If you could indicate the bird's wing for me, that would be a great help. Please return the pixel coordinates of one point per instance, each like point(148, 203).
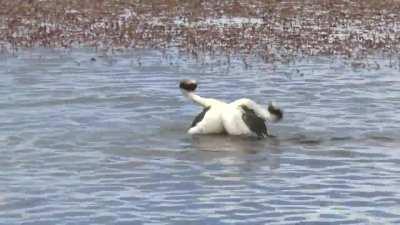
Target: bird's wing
point(254, 122)
point(200, 117)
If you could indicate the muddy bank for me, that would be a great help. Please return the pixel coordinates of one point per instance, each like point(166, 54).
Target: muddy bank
point(270, 29)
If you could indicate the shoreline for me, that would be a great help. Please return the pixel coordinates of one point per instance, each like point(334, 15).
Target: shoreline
point(271, 30)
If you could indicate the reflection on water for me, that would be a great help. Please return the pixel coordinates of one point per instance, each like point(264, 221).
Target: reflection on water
point(228, 143)
point(104, 141)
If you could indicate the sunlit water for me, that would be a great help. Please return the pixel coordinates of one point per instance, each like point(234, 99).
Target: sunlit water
point(104, 141)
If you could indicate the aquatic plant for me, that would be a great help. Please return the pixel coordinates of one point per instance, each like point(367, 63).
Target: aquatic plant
point(271, 29)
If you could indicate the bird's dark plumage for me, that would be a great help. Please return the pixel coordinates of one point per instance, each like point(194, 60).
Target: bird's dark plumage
point(275, 111)
point(255, 123)
point(200, 117)
point(188, 85)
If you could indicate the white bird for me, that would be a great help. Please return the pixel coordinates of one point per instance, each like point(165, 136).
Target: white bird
point(241, 117)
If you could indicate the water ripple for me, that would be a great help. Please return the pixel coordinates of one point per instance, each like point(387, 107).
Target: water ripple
point(105, 142)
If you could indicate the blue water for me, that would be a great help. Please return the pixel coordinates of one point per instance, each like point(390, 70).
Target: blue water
point(103, 141)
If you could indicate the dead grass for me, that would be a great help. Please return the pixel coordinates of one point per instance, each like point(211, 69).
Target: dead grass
point(290, 28)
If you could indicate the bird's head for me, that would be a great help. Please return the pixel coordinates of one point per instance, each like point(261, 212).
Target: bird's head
point(188, 85)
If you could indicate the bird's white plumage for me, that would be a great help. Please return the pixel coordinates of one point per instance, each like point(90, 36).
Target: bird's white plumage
point(211, 123)
point(233, 122)
point(226, 117)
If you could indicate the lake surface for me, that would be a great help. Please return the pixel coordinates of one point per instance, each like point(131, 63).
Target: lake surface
point(93, 139)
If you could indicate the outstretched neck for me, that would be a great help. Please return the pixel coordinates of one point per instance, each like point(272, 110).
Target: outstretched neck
point(195, 98)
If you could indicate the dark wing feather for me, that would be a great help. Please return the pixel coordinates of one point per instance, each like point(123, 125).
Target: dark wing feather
point(200, 117)
point(255, 123)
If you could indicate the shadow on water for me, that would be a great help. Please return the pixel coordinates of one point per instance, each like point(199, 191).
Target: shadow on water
point(307, 144)
point(226, 143)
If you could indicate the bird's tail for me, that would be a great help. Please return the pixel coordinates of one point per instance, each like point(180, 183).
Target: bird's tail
point(275, 113)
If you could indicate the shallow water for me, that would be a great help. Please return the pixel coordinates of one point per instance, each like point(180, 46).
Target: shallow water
point(103, 141)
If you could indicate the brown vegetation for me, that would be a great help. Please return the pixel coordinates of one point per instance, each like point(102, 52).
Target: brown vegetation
point(276, 29)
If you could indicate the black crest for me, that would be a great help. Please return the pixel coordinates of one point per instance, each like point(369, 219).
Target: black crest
point(188, 85)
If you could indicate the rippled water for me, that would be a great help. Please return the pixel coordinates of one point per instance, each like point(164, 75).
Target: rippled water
point(102, 141)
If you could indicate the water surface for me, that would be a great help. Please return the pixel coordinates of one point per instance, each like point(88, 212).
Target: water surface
point(93, 139)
